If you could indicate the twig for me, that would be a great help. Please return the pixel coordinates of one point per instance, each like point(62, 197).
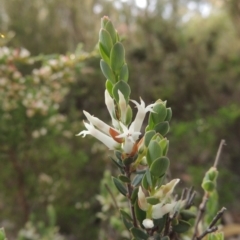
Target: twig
point(207, 231)
point(202, 206)
point(223, 142)
point(212, 228)
point(112, 196)
point(201, 211)
point(217, 217)
point(129, 189)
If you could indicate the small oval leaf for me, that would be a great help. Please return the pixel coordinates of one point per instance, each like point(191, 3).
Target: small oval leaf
point(124, 73)
point(117, 57)
point(154, 151)
point(107, 71)
point(162, 128)
point(124, 179)
point(106, 41)
point(159, 166)
point(182, 227)
point(124, 88)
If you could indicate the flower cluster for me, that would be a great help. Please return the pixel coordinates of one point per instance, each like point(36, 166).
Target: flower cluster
point(121, 136)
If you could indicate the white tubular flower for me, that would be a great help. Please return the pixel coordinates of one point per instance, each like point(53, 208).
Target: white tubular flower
point(142, 110)
point(142, 202)
point(148, 223)
point(159, 210)
point(102, 126)
point(111, 108)
point(123, 106)
point(107, 140)
point(130, 138)
point(166, 190)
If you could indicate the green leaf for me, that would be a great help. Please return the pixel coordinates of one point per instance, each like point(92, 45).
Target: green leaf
point(149, 177)
point(106, 41)
point(139, 234)
point(145, 182)
point(148, 136)
point(117, 163)
point(124, 88)
point(208, 186)
point(121, 188)
point(159, 166)
point(137, 179)
point(2, 234)
point(165, 238)
point(109, 87)
point(162, 128)
point(169, 115)
point(127, 220)
point(154, 151)
point(124, 179)
point(103, 53)
point(160, 223)
point(159, 114)
point(111, 30)
point(152, 200)
point(140, 214)
point(187, 214)
point(117, 57)
point(164, 143)
point(134, 195)
point(118, 155)
point(182, 226)
point(124, 73)
point(128, 116)
point(107, 71)
point(126, 215)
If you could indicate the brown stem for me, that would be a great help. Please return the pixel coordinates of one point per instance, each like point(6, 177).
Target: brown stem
point(129, 195)
point(20, 184)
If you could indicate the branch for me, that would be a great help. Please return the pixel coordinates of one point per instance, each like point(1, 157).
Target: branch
point(223, 142)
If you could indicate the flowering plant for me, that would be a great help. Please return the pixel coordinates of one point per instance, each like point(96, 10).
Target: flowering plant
point(141, 155)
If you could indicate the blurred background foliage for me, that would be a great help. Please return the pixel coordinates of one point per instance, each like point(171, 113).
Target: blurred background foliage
point(185, 52)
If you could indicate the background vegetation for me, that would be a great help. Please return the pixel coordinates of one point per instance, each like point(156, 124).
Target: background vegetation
point(186, 52)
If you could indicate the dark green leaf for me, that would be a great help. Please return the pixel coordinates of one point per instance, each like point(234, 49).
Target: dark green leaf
point(137, 179)
point(182, 226)
point(121, 188)
point(145, 182)
point(139, 234)
point(126, 215)
point(124, 179)
point(187, 214)
point(149, 177)
point(134, 195)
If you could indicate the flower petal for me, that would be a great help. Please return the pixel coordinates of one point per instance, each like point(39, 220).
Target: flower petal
point(159, 210)
point(148, 223)
point(111, 108)
point(142, 202)
point(142, 110)
point(108, 141)
point(102, 126)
